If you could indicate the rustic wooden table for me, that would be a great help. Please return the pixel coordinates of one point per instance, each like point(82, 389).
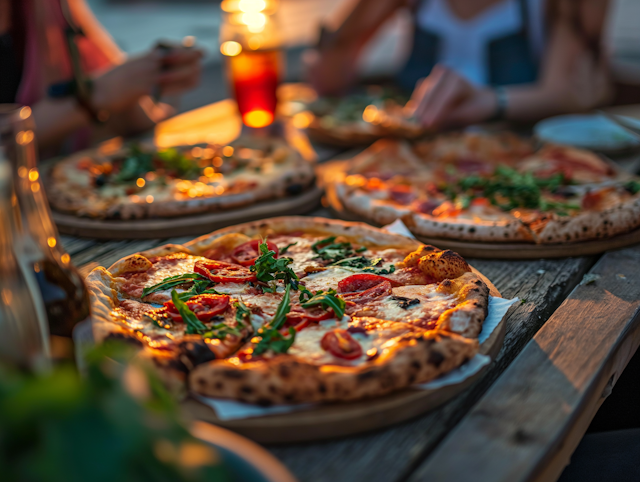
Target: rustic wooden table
point(566, 345)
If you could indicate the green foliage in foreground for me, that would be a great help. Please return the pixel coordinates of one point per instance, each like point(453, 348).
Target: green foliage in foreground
point(117, 424)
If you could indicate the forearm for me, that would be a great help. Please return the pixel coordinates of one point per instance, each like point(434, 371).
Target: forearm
point(533, 102)
point(57, 118)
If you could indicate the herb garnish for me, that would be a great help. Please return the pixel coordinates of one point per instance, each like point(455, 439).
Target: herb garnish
point(326, 299)
point(173, 281)
point(633, 187)
point(286, 248)
point(270, 336)
point(268, 268)
point(365, 264)
point(242, 312)
point(328, 250)
point(194, 325)
point(509, 189)
point(200, 287)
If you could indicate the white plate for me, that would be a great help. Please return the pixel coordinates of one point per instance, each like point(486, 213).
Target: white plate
point(591, 131)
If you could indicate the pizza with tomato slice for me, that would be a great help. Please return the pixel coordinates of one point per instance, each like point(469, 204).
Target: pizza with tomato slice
point(294, 309)
point(138, 181)
point(490, 188)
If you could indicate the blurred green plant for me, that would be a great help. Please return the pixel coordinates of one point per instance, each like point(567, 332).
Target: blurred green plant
point(116, 424)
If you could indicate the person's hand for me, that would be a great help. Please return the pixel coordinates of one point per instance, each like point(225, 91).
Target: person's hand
point(121, 87)
point(446, 99)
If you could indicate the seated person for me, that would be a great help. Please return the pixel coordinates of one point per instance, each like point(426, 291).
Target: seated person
point(43, 60)
point(476, 60)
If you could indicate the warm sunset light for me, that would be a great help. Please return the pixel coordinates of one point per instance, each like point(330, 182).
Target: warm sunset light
point(252, 5)
point(258, 118)
point(230, 48)
point(140, 182)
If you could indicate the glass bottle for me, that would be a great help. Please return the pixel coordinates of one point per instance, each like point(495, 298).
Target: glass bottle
point(64, 293)
point(23, 321)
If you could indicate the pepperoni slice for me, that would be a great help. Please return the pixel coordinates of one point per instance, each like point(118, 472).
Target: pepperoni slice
point(247, 253)
point(340, 343)
point(361, 282)
point(205, 307)
point(221, 272)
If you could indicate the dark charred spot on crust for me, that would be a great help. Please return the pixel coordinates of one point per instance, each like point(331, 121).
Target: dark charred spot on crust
point(234, 374)
point(478, 282)
point(264, 402)
point(368, 375)
point(201, 382)
point(272, 389)
point(347, 228)
point(436, 358)
point(475, 290)
point(472, 230)
point(284, 371)
point(289, 397)
point(246, 389)
point(446, 283)
point(322, 388)
point(263, 225)
point(416, 365)
point(195, 352)
point(219, 385)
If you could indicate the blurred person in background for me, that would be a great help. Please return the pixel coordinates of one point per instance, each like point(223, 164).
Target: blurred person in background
point(38, 47)
point(477, 60)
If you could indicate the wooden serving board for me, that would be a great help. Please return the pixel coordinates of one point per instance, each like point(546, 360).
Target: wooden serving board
point(471, 249)
point(188, 225)
point(334, 420)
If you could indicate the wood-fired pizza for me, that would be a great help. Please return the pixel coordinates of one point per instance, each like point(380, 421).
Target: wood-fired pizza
point(490, 188)
point(294, 309)
point(144, 182)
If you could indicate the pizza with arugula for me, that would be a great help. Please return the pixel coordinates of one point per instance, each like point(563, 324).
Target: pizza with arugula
point(138, 181)
point(490, 188)
point(294, 309)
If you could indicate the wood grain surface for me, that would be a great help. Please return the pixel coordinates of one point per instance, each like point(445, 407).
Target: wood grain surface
point(528, 424)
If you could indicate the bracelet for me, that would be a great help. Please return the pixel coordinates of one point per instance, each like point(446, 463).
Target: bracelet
point(502, 101)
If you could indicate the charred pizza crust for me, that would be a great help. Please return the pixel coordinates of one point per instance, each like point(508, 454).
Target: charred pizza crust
point(357, 188)
point(411, 354)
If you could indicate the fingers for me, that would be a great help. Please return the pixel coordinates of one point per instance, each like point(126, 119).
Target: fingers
point(182, 56)
point(180, 78)
point(438, 95)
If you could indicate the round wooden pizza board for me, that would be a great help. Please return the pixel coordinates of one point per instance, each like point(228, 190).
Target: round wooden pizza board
point(188, 225)
point(342, 419)
point(496, 250)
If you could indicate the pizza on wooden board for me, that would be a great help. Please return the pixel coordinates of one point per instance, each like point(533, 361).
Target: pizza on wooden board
point(490, 188)
point(144, 182)
point(362, 118)
point(294, 309)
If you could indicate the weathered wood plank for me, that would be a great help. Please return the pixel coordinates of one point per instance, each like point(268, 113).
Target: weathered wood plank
point(531, 420)
point(392, 454)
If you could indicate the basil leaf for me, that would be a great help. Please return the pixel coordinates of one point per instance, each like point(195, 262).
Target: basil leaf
point(194, 325)
point(172, 281)
point(284, 250)
point(199, 287)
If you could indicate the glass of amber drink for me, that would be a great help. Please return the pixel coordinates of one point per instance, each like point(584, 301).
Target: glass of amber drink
point(249, 43)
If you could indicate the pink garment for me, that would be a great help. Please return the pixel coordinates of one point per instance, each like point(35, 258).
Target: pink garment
point(46, 56)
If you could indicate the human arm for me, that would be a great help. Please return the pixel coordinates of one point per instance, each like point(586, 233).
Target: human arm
point(332, 67)
point(573, 78)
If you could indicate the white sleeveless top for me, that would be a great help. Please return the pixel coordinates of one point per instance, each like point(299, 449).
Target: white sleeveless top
point(463, 43)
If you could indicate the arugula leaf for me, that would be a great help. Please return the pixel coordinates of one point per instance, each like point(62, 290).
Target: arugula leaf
point(281, 312)
point(159, 322)
point(270, 336)
point(633, 187)
point(268, 268)
point(173, 281)
point(199, 288)
point(284, 250)
point(220, 331)
point(242, 312)
point(194, 325)
point(365, 264)
point(273, 340)
point(326, 299)
point(328, 250)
